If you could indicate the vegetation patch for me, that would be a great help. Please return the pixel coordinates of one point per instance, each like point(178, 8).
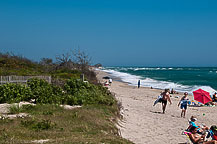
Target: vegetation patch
point(94, 122)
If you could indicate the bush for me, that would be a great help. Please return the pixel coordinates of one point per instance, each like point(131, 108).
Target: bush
point(81, 92)
point(43, 92)
point(11, 92)
point(77, 93)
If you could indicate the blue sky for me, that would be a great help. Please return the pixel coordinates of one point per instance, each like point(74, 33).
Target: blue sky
point(113, 32)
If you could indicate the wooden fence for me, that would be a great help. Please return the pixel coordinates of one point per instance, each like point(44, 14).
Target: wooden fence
point(21, 79)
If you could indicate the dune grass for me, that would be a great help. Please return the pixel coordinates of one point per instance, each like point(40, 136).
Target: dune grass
point(88, 124)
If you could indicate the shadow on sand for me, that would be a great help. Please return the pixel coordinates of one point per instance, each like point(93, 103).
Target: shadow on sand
point(157, 112)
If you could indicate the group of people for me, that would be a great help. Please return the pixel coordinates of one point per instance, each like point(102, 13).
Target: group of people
point(183, 103)
point(198, 134)
point(108, 82)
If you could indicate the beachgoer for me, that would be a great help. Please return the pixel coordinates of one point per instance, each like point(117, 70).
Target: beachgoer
point(214, 98)
point(173, 91)
point(184, 104)
point(165, 96)
point(212, 132)
point(198, 139)
point(214, 137)
point(192, 123)
point(210, 103)
point(139, 84)
point(106, 83)
point(110, 81)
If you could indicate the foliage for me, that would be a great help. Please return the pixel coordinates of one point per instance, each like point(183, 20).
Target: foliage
point(11, 92)
point(75, 92)
point(43, 92)
point(11, 64)
point(88, 124)
point(38, 125)
point(80, 92)
point(15, 109)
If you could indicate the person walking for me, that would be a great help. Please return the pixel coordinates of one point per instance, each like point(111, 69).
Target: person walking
point(165, 96)
point(184, 104)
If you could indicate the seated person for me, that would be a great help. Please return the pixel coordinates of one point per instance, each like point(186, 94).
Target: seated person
point(212, 132)
point(106, 83)
point(211, 103)
point(192, 123)
point(173, 91)
point(214, 97)
point(198, 139)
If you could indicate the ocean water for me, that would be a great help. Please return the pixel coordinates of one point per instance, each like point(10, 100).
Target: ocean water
point(182, 79)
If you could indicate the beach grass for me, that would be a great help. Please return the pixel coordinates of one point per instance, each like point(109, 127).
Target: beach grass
point(88, 124)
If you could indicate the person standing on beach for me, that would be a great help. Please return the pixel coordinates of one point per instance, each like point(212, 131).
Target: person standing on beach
point(139, 84)
point(110, 81)
point(165, 96)
point(184, 104)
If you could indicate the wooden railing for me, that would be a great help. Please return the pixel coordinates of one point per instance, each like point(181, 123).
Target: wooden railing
point(21, 79)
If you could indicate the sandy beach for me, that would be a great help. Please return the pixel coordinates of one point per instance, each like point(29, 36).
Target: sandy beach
point(144, 123)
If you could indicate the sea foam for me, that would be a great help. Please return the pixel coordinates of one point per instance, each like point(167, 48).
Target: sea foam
point(148, 82)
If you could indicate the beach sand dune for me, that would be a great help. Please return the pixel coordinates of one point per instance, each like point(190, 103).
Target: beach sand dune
point(144, 123)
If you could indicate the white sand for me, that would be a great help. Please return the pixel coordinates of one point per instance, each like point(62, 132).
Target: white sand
point(144, 124)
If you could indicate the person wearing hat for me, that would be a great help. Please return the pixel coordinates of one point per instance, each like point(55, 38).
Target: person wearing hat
point(184, 104)
point(192, 122)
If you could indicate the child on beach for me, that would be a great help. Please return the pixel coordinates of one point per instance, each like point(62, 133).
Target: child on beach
point(184, 104)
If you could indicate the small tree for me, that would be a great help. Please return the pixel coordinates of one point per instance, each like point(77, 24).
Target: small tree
point(64, 60)
point(46, 61)
point(81, 59)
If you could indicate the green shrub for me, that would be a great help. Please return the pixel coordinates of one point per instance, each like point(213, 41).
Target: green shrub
point(44, 93)
point(11, 92)
point(80, 92)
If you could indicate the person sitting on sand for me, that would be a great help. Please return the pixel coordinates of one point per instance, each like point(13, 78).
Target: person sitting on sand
point(165, 96)
point(212, 132)
point(210, 103)
point(173, 91)
point(106, 83)
point(198, 139)
point(184, 104)
point(214, 98)
point(192, 123)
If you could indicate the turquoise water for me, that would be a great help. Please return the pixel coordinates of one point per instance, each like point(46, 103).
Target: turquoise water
point(179, 78)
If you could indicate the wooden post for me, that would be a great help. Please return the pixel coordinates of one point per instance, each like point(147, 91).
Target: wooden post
point(49, 79)
point(82, 77)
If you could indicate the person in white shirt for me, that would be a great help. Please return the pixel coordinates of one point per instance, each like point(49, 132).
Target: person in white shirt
point(110, 81)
